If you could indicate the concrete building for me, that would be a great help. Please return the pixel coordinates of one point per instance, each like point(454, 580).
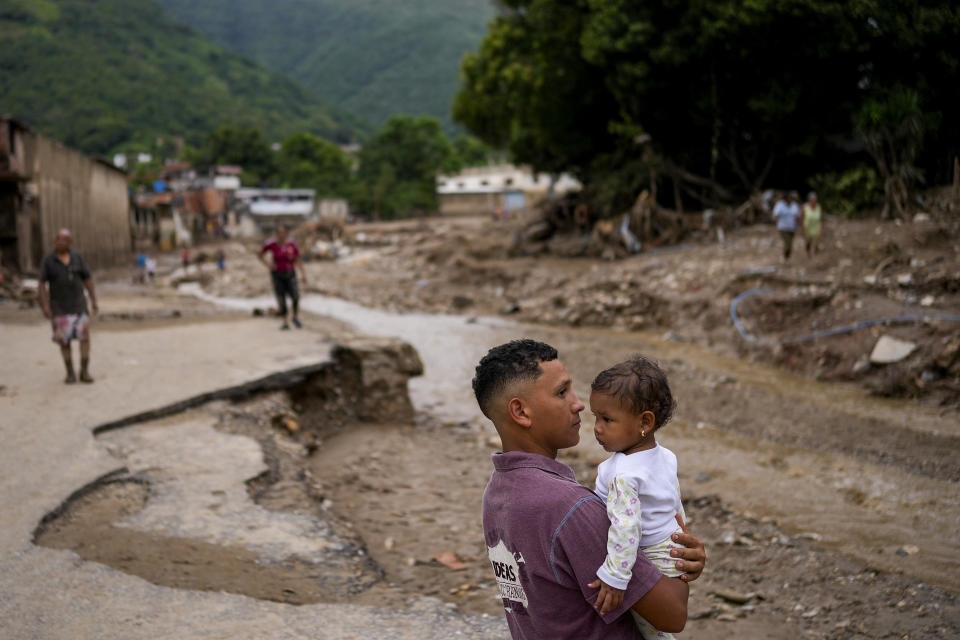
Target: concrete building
point(45, 186)
point(486, 190)
point(270, 208)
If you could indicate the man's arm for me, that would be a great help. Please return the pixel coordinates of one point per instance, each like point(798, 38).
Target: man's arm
point(44, 299)
point(298, 265)
point(88, 283)
point(665, 605)
point(260, 257)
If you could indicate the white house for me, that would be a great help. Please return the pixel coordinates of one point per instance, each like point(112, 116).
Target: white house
point(485, 190)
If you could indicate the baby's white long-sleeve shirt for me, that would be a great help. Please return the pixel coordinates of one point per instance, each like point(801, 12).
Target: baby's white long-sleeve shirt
point(642, 507)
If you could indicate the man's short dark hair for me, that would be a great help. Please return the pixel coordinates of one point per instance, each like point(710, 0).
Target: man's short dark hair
point(639, 385)
point(517, 360)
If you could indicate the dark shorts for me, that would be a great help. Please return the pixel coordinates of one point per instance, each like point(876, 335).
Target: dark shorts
point(787, 237)
point(285, 286)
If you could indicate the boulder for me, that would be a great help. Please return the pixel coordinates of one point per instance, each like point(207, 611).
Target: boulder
point(889, 350)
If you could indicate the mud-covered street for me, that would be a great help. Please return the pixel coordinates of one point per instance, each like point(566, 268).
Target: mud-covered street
point(824, 488)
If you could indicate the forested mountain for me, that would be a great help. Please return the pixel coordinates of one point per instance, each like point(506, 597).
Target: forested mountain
point(102, 75)
point(371, 57)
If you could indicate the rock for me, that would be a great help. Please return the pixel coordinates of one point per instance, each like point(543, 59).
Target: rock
point(286, 421)
point(734, 597)
point(808, 536)
point(949, 354)
point(700, 614)
point(461, 302)
point(927, 301)
point(862, 365)
point(907, 550)
point(889, 349)
point(450, 560)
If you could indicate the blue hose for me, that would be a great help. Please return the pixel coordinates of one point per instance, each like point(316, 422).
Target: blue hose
point(849, 328)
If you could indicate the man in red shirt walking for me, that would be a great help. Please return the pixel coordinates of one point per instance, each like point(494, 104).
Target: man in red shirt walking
point(283, 273)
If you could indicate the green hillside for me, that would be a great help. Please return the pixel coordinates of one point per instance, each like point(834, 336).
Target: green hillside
point(101, 74)
point(371, 57)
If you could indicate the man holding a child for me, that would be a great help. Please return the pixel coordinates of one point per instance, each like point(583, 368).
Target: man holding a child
point(546, 534)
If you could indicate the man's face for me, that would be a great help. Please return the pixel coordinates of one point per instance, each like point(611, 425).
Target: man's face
point(62, 241)
point(282, 234)
point(554, 409)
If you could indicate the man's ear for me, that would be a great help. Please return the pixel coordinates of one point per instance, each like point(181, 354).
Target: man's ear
point(517, 411)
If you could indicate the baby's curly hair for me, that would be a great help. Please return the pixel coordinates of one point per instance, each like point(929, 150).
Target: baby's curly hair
point(638, 384)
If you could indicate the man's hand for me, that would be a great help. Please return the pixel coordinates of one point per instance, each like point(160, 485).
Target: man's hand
point(94, 306)
point(46, 312)
point(694, 557)
point(609, 598)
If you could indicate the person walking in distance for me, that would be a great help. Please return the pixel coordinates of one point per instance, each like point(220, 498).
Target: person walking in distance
point(812, 223)
point(283, 273)
point(787, 213)
point(65, 304)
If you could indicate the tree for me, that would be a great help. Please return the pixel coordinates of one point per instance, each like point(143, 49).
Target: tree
point(892, 129)
point(530, 91)
point(244, 146)
point(721, 96)
point(398, 166)
point(470, 151)
point(311, 162)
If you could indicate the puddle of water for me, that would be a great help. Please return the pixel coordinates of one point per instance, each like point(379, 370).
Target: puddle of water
point(862, 509)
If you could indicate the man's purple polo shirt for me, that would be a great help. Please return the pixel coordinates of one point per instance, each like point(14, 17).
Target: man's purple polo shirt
point(546, 535)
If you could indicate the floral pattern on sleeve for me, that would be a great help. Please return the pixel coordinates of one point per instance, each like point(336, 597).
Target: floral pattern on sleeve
point(623, 537)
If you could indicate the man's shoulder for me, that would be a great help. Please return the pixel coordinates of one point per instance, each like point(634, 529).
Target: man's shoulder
point(539, 487)
point(46, 265)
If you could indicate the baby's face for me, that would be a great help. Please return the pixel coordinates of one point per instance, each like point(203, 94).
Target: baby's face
point(616, 428)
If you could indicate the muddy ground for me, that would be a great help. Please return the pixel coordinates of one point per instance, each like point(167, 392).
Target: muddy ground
point(824, 509)
point(866, 270)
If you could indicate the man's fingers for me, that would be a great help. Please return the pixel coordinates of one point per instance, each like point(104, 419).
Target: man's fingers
point(683, 527)
point(690, 543)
